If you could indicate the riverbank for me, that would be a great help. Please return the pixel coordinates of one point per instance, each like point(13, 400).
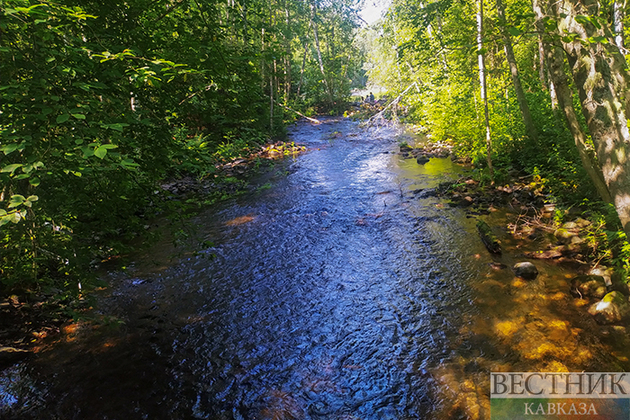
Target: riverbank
point(345, 287)
point(29, 317)
point(535, 230)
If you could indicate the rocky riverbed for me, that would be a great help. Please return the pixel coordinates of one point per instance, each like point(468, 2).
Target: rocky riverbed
point(533, 223)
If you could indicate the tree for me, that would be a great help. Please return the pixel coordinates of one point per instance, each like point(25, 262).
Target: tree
point(516, 80)
point(482, 84)
point(599, 71)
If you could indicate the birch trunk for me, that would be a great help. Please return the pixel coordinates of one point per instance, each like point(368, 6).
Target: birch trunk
point(482, 83)
point(618, 15)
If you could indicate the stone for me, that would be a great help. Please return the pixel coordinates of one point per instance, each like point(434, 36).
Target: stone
point(564, 236)
point(525, 270)
point(582, 222)
point(605, 272)
point(570, 225)
point(422, 160)
point(613, 308)
point(589, 286)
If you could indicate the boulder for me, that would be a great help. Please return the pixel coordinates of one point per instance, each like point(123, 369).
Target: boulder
point(422, 159)
point(605, 272)
point(525, 270)
point(570, 225)
point(589, 286)
point(613, 308)
point(564, 236)
point(582, 223)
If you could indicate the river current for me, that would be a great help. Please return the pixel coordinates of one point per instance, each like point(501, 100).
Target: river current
point(339, 289)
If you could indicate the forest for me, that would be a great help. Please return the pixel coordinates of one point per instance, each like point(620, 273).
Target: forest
point(103, 102)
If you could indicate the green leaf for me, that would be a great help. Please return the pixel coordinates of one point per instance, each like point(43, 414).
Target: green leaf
point(128, 164)
point(581, 19)
point(63, 118)
point(100, 152)
point(115, 126)
point(79, 116)
point(21, 176)
point(110, 146)
point(11, 168)
point(87, 151)
point(35, 181)
point(16, 200)
point(32, 198)
point(514, 31)
point(9, 148)
point(3, 212)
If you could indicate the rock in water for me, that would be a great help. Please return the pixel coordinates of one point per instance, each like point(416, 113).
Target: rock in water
point(525, 270)
point(487, 237)
point(422, 160)
point(613, 308)
point(589, 286)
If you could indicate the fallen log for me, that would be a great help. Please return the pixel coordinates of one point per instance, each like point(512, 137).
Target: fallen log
point(313, 120)
point(487, 237)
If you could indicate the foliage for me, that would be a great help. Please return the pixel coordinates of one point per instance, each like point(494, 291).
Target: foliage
point(101, 102)
point(433, 44)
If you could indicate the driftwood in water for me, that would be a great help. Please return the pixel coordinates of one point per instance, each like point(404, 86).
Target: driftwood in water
point(488, 238)
point(313, 120)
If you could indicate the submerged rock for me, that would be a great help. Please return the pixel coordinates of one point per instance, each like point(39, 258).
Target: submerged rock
point(589, 286)
point(422, 160)
point(613, 308)
point(525, 270)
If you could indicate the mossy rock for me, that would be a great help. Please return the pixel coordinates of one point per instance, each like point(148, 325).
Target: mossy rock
point(613, 308)
point(589, 286)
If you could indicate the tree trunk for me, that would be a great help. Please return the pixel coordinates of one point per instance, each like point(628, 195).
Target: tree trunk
point(516, 81)
point(271, 103)
point(302, 69)
point(319, 53)
point(618, 15)
point(541, 62)
point(482, 83)
point(553, 95)
point(287, 59)
point(599, 72)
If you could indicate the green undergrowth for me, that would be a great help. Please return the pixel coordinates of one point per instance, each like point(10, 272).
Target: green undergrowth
point(54, 249)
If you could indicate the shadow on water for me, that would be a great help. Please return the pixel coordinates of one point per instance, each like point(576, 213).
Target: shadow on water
point(341, 292)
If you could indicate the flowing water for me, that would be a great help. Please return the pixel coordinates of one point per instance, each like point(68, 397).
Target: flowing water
point(339, 289)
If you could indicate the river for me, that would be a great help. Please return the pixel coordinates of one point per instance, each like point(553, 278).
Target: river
point(339, 289)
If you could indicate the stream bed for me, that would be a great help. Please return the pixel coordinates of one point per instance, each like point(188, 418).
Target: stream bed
point(339, 289)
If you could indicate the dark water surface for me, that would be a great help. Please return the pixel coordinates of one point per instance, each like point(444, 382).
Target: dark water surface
point(338, 291)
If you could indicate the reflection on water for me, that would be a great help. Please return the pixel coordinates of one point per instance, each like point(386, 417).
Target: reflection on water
point(336, 294)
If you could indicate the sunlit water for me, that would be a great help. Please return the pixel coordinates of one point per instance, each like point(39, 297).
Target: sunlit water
point(343, 291)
